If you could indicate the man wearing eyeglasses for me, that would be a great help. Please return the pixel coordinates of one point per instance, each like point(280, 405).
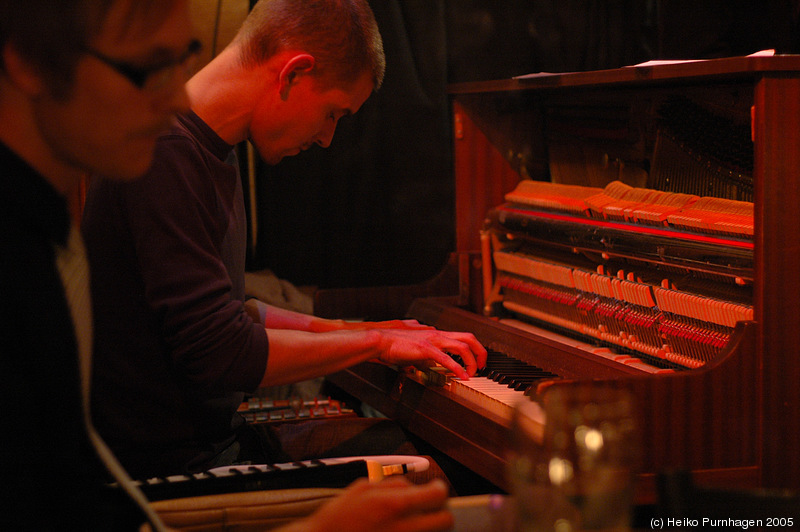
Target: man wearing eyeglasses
point(68, 109)
point(178, 350)
point(85, 87)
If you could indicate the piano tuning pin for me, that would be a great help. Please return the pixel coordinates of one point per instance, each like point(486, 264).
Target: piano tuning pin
point(296, 404)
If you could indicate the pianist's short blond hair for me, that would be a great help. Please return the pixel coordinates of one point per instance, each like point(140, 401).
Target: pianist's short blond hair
point(342, 35)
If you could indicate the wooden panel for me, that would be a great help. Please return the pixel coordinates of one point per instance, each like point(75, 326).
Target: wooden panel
point(777, 157)
point(484, 176)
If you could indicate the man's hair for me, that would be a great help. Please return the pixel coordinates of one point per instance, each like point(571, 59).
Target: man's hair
point(52, 34)
point(342, 35)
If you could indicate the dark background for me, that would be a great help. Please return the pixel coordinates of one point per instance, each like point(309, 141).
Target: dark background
point(376, 207)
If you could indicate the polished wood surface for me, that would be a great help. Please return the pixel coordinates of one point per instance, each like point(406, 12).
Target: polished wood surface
point(663, 72)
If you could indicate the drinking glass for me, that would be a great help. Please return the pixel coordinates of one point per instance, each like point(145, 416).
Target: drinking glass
point(572, 463)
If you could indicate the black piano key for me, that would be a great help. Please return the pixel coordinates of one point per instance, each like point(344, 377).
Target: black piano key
point(515, 373)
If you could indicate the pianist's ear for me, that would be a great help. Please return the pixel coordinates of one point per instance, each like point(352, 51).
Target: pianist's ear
point(20, 72)
point(297, 65)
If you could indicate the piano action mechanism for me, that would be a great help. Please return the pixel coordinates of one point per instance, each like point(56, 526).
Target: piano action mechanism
point(633, 226)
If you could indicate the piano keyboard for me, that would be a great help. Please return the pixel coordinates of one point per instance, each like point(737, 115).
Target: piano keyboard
point(500, 385)
point(513, 373)
point(488, 394)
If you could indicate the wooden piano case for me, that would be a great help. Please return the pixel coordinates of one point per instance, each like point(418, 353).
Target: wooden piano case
point(734, 421)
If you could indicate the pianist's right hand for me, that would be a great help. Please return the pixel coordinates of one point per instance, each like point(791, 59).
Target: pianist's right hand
point(392, 505)
point(296, 355)
point(422, 347)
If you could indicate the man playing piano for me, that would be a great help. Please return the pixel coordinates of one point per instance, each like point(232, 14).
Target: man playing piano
point(177, 350)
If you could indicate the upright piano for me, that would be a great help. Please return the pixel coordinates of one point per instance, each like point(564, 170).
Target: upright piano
point(637, 227)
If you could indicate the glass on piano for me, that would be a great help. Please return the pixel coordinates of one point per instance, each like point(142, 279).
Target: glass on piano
point(572, 465)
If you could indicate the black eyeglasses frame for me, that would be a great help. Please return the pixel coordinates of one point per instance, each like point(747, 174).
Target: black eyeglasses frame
point(139, 76)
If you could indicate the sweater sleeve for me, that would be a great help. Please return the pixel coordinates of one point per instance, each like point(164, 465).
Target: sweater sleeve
point(179, 220)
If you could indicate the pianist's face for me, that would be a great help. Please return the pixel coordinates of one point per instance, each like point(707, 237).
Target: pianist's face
point(105, 124)
point(308, 115)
